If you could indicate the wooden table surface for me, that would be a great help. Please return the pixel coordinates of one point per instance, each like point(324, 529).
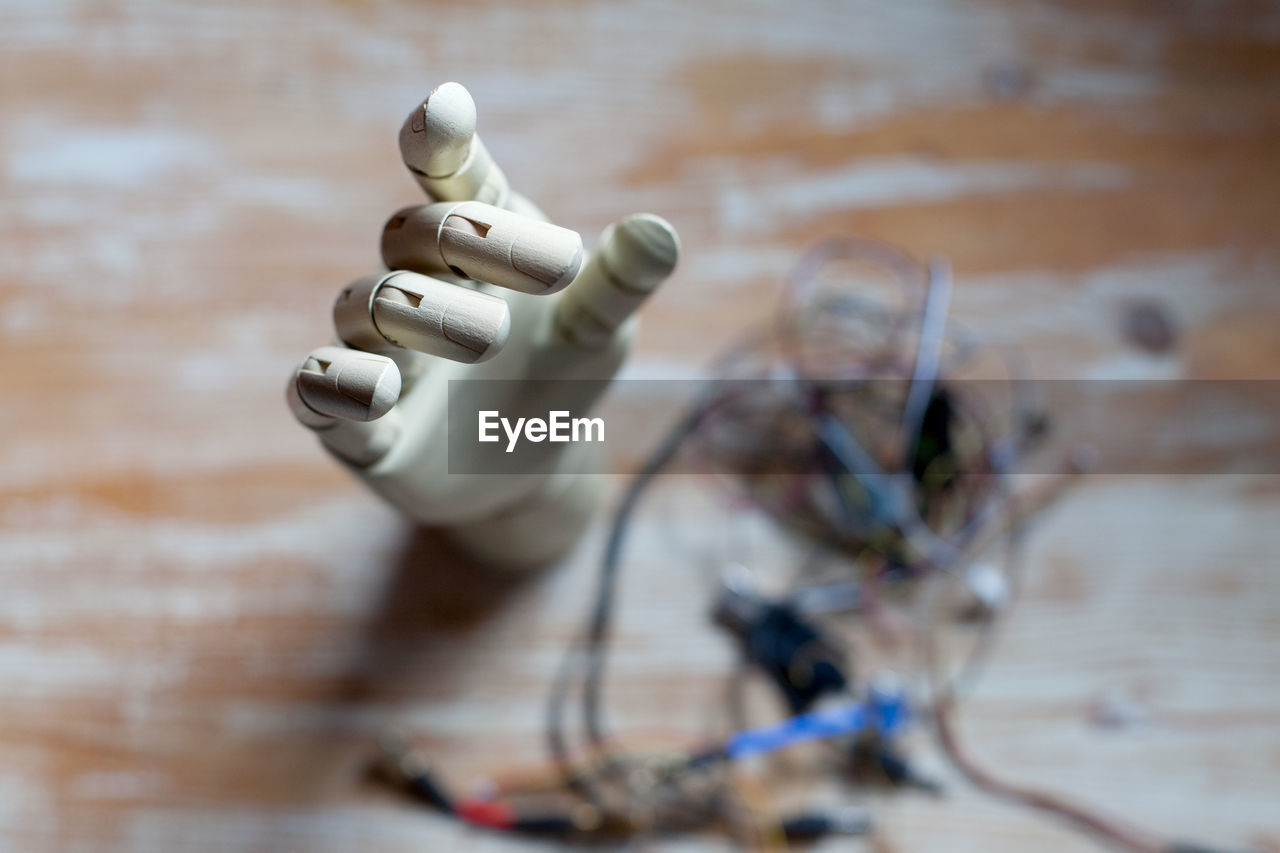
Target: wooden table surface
point(204, 623)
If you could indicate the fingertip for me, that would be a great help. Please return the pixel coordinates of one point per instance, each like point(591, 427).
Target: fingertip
point(439, 318)
point(435, 140)
point(644, 249)
point(348, 384)
point(497, 339)
point(547, 255)
point(483, 242)
point(386, 391)
point(633, 257)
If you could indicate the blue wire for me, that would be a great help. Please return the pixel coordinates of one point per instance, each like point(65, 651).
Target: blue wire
point(885, 714)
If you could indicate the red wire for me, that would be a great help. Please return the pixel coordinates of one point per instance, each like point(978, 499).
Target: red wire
point(486, 813)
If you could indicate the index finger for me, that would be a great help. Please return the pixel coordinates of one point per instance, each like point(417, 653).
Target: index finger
point(439, 145)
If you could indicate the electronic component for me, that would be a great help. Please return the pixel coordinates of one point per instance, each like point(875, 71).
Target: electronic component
point(814, 826)
point(876, 759)
point(779, 642)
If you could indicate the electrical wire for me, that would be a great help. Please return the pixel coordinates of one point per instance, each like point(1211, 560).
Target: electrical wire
point(831, 430)
point(825, 408)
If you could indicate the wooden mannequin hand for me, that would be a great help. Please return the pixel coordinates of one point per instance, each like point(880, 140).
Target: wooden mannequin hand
point(479, 286)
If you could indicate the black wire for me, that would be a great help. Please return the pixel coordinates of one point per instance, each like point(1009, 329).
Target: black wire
point(596, 634)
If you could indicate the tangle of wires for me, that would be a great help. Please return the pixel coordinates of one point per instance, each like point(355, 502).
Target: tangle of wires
point(872, 431)
point(846, 424)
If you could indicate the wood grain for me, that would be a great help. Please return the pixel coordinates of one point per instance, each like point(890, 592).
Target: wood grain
point(204, 622)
